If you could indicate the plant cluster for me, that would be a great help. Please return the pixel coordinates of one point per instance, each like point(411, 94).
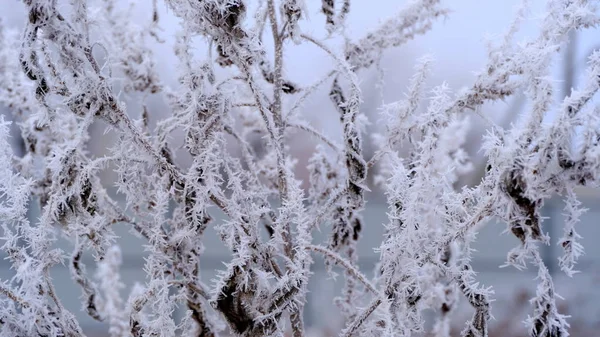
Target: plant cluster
point(60, 75)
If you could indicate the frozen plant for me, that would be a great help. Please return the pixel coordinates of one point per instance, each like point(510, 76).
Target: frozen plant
point(74, 63)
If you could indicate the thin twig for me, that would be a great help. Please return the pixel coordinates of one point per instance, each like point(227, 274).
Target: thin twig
point(344, 263)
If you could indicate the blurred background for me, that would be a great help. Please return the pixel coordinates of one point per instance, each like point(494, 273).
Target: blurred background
point(458, 45)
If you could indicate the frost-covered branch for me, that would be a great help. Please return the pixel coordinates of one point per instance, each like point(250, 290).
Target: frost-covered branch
point(78, 63)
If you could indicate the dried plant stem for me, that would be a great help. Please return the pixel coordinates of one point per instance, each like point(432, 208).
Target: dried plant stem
point(10, 294)
point(321, 136)
point(349, 267)
point(360, 319)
